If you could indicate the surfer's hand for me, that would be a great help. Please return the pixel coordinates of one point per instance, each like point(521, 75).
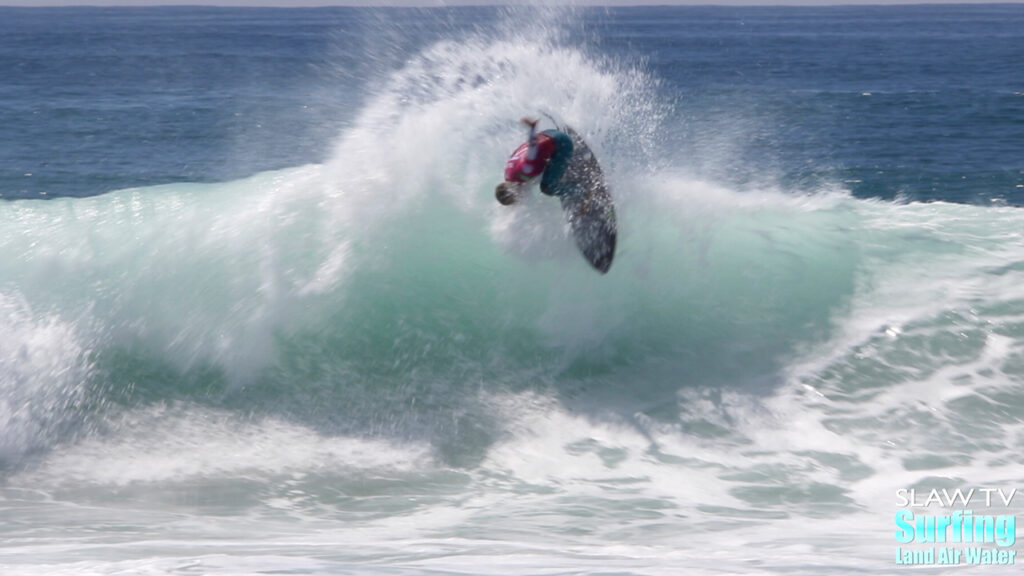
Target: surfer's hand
point(531, 122)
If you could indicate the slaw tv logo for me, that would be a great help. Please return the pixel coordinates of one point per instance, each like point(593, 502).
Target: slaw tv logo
point(963, 533)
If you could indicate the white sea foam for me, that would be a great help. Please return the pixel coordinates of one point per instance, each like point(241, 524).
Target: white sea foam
point(44, 370)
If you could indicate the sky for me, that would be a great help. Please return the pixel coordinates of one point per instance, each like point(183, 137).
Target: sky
point(296, 3)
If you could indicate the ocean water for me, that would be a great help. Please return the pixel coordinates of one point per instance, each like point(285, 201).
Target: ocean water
point(260, 314)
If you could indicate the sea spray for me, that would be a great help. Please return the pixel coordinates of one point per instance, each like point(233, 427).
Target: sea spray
point(44, 377)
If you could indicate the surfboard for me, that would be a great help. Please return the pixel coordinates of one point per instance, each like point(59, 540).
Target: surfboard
point(588, 208)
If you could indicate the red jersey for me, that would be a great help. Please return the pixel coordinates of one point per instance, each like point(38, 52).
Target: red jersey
point(527, 163)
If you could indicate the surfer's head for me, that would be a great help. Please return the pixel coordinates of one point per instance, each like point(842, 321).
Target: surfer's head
point(506, 192)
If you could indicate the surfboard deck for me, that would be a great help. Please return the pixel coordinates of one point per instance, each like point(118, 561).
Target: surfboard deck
point(589, 209)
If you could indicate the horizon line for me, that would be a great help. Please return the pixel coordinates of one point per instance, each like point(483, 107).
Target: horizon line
point(481, 3)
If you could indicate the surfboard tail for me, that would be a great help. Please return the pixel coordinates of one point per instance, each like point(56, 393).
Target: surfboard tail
point(594, 230)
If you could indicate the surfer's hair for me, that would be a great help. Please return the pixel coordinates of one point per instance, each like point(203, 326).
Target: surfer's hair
point(506, 193)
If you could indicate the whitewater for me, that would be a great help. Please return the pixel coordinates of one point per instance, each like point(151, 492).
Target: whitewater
point(366, 365)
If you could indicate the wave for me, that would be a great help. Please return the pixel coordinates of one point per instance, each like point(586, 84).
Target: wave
point(384, 293)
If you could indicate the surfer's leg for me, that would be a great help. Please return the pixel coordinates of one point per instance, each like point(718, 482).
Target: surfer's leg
point(559, 161)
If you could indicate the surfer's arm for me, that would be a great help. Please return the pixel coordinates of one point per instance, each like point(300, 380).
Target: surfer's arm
point(532, 138)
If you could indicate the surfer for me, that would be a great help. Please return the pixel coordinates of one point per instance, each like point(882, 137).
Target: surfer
point(545, 154)
point(566, 168)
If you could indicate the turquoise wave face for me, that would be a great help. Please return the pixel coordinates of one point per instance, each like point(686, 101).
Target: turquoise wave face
point(280, 295)
point(268, 294)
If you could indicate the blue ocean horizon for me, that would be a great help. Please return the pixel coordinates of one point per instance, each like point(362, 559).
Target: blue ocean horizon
point(920, 102)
